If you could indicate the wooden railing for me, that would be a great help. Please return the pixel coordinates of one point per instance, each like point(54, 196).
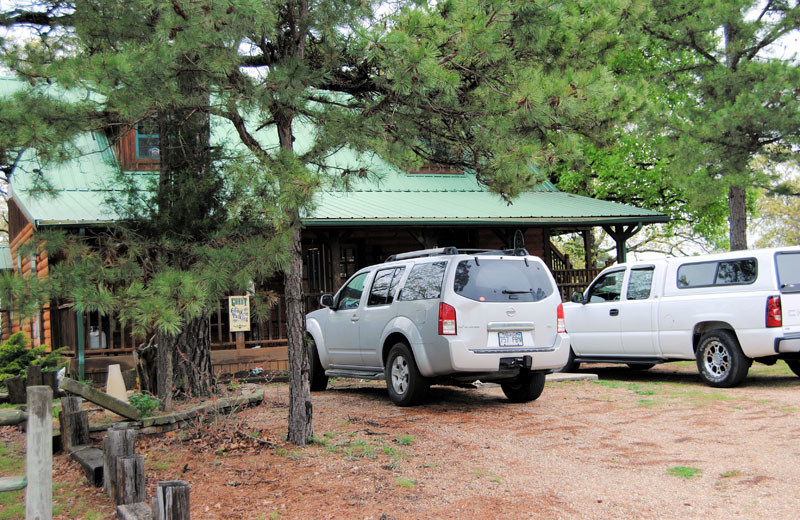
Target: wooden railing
point(105, 335)
point(573, 280)
point(558, 260)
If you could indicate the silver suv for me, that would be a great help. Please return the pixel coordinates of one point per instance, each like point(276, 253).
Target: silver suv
point(442, 316)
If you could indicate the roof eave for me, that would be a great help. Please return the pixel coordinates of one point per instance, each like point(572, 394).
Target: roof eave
point(586, 221)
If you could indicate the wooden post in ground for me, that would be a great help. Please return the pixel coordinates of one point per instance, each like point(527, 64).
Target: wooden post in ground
point(74, 424)
point(34, 373)
point(119, 442)
point(129, 481)
point(16, 389)
point(39, 454)
point(50, 378)
point(171, 501)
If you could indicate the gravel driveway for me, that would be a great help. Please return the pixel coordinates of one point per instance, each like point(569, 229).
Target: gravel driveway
point(654, 444)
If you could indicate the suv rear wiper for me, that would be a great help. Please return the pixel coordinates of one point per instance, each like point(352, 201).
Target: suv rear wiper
point(506, 291)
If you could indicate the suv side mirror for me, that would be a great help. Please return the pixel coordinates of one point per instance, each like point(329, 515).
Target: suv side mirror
point(577, 298)
point(326, 300)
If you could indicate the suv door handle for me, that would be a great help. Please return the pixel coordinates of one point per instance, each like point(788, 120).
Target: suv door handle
point(613, 312)
point(353, 318)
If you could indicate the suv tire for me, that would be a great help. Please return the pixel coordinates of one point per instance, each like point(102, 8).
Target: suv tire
point(405, 384)
point(720, 359)
point(316, 377)
point(524, 388)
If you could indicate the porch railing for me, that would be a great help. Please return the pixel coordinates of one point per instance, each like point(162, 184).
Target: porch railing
point(573, 280)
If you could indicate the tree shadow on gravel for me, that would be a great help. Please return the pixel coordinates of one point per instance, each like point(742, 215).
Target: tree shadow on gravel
point(443, 398)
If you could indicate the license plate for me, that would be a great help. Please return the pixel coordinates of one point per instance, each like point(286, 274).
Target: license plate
point(510, 339)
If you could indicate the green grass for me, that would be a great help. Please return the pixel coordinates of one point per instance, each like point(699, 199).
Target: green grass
point(406, 482)
point(405, 440)
point(685, 472)
point(66, 500)
point(12, 505)
point(729, 474)
point(160, 462)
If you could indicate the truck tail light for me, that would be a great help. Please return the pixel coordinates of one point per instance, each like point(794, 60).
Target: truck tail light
point(447, 320)
point(560, 327)
point(774, 314)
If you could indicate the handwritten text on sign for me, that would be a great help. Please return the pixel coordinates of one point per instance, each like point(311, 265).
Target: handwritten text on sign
point(239, 312)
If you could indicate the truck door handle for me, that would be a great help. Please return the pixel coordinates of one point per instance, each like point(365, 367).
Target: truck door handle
point(613, 312)
point(353, 318)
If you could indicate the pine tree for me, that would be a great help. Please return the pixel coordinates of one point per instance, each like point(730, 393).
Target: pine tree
point(505, 89)
point(728, 95)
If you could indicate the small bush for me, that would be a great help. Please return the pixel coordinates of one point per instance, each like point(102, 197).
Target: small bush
point(145, 403)
point(15, 356)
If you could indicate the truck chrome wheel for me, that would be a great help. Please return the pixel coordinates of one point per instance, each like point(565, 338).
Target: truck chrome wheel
point(720, 359)
point(717, 359)
point(400, 375)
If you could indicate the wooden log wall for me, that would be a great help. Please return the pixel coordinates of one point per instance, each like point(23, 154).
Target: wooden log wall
point(39, 327)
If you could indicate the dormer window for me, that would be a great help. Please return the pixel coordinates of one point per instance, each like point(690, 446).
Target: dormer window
point(147, 139)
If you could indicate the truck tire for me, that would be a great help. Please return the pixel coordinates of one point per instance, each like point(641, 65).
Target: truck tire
point(720, 359)
point(406, 386)
point(571, 364)
point(794, 366)
point(526, 387)
point(316, 377)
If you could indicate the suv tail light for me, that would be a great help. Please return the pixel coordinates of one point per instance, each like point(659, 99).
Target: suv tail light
point(447, 320)
point(560, 327)
point(774, 314)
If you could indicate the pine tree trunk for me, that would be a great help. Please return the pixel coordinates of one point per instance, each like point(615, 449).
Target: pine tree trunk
point(192, 361)
point(737, 205)
point(300, 411)
point(184, 361)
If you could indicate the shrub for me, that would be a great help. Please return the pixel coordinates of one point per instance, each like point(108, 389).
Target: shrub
point(15, 356)
point(145, 403)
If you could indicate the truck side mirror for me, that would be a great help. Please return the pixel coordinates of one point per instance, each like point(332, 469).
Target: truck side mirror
point(326, 300)
point(577, 298)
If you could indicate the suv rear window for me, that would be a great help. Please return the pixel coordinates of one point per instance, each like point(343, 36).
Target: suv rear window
point(788, 271)
point(424, 282)
point(487, 280)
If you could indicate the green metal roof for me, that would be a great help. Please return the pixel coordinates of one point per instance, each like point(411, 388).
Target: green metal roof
point(387, 196)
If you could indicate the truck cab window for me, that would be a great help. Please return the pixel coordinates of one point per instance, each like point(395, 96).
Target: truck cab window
point(640, 284)
point(608, 288)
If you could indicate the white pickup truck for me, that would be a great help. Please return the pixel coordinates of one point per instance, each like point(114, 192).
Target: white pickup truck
point(723, 310)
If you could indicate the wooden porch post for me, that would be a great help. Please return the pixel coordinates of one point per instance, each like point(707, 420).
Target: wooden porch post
point(546, 246)
point(620, 234)
point(587, 249)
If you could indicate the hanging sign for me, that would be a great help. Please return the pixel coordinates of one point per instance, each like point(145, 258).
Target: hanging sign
point(239, 313)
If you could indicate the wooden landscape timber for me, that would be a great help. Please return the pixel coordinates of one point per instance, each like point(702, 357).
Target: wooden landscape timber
point(12, 416)
point(138, 511)
point(90, 460)
point(100, 398)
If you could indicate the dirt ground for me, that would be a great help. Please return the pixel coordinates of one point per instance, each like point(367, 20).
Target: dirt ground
point(654, 444)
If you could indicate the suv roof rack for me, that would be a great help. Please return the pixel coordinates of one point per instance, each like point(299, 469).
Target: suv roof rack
point(423, 253)
point(519, 251)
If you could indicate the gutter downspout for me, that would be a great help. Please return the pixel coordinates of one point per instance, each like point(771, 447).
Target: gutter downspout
point(80, 334)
